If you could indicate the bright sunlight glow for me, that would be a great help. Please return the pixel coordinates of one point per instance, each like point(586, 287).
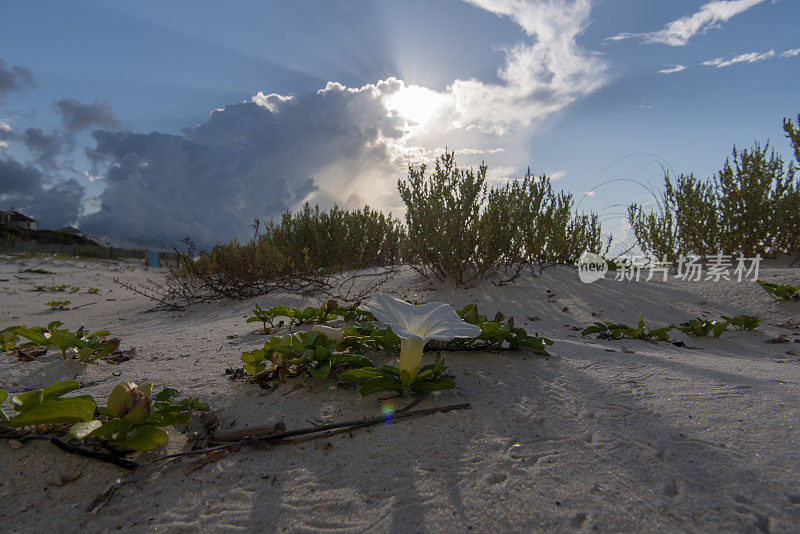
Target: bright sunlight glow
point(418, 105)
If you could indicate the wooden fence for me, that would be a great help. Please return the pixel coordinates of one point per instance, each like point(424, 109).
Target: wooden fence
point(82, 251)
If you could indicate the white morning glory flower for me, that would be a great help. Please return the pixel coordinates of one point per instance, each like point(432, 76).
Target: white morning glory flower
point(415, 324)
point(330, 332)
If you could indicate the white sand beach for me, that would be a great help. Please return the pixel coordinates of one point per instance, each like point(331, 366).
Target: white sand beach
point(602, 435)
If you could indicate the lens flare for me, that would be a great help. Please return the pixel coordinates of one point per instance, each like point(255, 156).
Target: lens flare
point(387, 408)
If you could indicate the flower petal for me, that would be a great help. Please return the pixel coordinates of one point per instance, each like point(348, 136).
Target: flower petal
point(434, 320)
point(389, 310)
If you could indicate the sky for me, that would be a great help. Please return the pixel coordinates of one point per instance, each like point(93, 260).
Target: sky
point(148, 122)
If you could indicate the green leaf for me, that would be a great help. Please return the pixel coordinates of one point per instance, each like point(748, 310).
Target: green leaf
point(192, 404)
point(62, 341)
point(57, 389)
point(359, 375)
point(29, 399)
point(8, 339)
point(253, 357)
point(32, 334)
point(434, 385)
point(166, 395)
point(424, 375)
point(107, 348)
point(54, 325)
point(390, 370)
point(82, 430)
point(99, 334)
point(380, 383)
point(169, 418)
point(321, 371)
point(720, 327)
point(254, 369)
point(74, 410)
point(142, 438)
point(108, 429)
point(353, 360)
point(3, 395)
point(593, 330)
point(660, 334)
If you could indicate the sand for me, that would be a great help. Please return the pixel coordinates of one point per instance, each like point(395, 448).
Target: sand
point(601, 436)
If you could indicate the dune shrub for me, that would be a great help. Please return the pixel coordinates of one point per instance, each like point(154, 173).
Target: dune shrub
point(298, 253)
point(751, 206)
point(230, 271)
point(336, 239)
point(544, 225)
point(685, 222)
point(446, 224)
point(459, 229)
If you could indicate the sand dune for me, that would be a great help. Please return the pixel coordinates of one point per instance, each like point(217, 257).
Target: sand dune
point(602, 435)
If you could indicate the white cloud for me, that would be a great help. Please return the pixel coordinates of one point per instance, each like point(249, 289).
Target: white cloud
point(557, 175)
point(790, 53)
point(347, 145)
point(672, 70)
point(539, 79)
point(680, 31)
point(751, 57)
point(91, 177)
point(271, 101)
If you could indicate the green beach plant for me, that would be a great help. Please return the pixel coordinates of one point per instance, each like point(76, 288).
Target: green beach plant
point(85, 346)
point(780, 292)
point(701, 327)
point(328, 311)
point(58, 304)
point(496, 334)
point(311, 352)
point(404, 327)
point(46, 406)
point(131, 419)
point(743, 322)
point(391, 378)
point(610, 330)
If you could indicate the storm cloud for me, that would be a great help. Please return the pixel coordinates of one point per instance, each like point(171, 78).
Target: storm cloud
point(43, 147)
point(78, 116)
point(14, 78)
point(249, 160)
point(53, 202)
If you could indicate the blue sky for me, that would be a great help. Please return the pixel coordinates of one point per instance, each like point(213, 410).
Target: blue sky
point(571, 88)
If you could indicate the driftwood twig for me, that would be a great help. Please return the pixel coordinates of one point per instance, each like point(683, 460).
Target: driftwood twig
point(348, 425)
point(102, 456)
point(275, 438)
point(238, 434)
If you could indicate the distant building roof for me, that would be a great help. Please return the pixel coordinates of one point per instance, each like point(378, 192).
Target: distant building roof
point(70, 230)
point(19, 217)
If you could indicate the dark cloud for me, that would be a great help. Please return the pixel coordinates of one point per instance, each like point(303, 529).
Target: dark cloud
point(12, 78)
point(246, 161)
point(77, 116)
point(53, 203)
point(18, 179)
point(43, 147)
